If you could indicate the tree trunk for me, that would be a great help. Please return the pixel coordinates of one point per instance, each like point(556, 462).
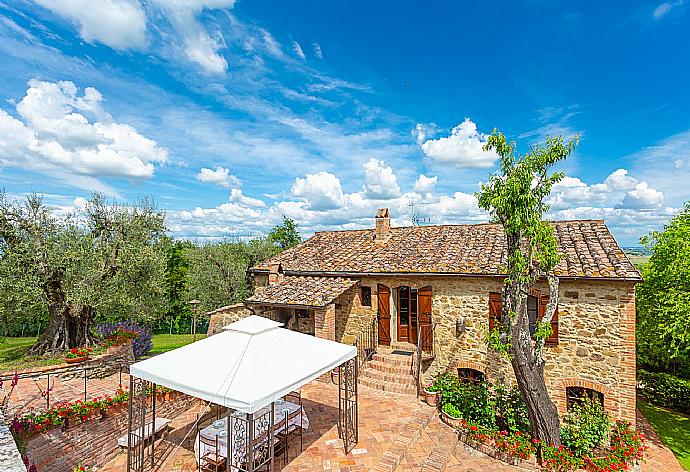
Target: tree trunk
point(543, 414)
point(528, 366)
point(68, 327)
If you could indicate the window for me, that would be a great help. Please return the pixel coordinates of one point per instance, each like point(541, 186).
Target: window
point(365, 295)
point(471, 376)
point(404, 305)
point(577, 395)
point(532, 313)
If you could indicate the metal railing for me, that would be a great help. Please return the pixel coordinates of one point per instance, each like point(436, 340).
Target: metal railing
point(425, 350)
point(57, 372)
point(366, 342)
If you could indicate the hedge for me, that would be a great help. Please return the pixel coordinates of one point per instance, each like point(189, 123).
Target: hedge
point(664, 390)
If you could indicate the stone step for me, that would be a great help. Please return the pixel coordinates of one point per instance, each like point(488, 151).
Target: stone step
point(403, 346)
point(393, 359)
point(390, 368)
point(403, 379)
point(445, 439)
point(386, 386)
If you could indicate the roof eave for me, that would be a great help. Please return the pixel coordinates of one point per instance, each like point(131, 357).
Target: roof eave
point(433, 274)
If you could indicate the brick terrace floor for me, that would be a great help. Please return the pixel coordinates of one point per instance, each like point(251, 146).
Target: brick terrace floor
point(396, 433)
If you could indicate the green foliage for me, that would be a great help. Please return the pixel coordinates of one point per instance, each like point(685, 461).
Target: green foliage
point(510, 409)
point(177, 293)
point(106, 261)
point(285, 235)
point(665, 390)
point(217, 272)
point(663, 299)
point(489, 405)
point(586, 427)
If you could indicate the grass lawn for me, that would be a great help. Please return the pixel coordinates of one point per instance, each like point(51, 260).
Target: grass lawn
point(168, 342)
point(13, 350)
point(673, 428)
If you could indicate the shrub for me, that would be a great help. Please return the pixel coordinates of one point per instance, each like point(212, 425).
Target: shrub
point(665, 390)
point(451, 410)
point(511, 409)
point(559, 459)
point(585, 428)
point(472, 402)
point(515, 444)
point(114, 333)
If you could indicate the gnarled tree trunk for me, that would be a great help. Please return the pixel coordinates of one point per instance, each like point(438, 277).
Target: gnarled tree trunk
point(68, 326)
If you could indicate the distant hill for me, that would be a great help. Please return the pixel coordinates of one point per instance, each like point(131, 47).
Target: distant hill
point(638, 255)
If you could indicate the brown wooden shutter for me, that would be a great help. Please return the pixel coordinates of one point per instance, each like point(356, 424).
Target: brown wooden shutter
point(543, 302)
point(424, 317)
point(495, 309)
point(384, 314)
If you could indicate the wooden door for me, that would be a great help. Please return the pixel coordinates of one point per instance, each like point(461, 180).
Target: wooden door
point(384, 314)
point(403, 318)
point(424, 317)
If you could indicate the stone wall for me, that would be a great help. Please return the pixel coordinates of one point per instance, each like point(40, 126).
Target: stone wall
point(350, 316)
point(93, 442)
point(224, 316)
point(10, 459)
point(596, 346)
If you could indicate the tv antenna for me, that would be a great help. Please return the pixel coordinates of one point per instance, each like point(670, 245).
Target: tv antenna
point(416, 219)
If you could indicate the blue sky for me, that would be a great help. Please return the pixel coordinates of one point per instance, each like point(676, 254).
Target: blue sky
point(231, 114)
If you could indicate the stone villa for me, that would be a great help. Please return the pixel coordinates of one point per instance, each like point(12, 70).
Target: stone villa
point(437, 289)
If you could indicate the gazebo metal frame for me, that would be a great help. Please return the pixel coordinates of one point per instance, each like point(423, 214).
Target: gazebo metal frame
point(250, 436)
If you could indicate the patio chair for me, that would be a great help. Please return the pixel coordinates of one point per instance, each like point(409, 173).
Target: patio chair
point(210, 459)
point(285, 435)
point(294, 430)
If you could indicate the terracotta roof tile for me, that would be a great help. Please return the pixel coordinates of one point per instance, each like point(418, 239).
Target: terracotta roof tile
point(588, 250)
point(302, 291)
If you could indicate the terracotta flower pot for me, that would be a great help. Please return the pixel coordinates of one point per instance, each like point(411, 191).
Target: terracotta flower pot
point(76, 360)
point(430, 397)
point(450, 420)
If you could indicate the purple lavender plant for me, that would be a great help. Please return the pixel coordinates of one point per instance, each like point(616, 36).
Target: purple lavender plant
point(142, 338)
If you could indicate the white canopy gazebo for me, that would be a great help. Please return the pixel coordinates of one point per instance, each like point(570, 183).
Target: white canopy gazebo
point(245, 368)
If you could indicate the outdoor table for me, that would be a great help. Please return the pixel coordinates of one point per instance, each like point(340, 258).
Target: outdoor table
point(210, 432)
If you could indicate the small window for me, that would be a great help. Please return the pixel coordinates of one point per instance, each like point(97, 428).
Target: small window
point(577, 395)
point(365, 295)
point(471, 376)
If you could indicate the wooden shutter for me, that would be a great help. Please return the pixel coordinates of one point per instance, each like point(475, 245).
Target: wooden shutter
point(495, 309)
point(424, 317)
point(543, 302)
point(384, 314)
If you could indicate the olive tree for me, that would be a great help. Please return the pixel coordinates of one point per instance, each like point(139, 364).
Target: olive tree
point(105, 261)
point(515, 198)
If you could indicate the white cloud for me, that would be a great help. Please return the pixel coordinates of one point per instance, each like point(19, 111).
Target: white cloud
point(462, 149)
point(220, 176)
point(642, 197)
point(620, 180)
point(120, 24)
point(297, 49)
point(320, 191)
point(380, 181)
point(272, 46)
point(425, 184)
point(317, 50)
point(665, 8)
point(198, 45)
point(236, 196)
point(58, 130)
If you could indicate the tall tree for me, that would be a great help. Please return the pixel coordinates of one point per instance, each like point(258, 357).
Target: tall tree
point(515, 198)
point(105, 261)
point(663, 299)
point(285, 235)
point(218, 272)
point(177, 267)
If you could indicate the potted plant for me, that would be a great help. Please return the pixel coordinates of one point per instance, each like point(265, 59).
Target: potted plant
point(77, 354)
point(450, 415)
point(431, 394)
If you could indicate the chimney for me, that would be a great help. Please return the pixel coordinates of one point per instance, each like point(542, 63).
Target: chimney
point(383, 224)
point(275, 273)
